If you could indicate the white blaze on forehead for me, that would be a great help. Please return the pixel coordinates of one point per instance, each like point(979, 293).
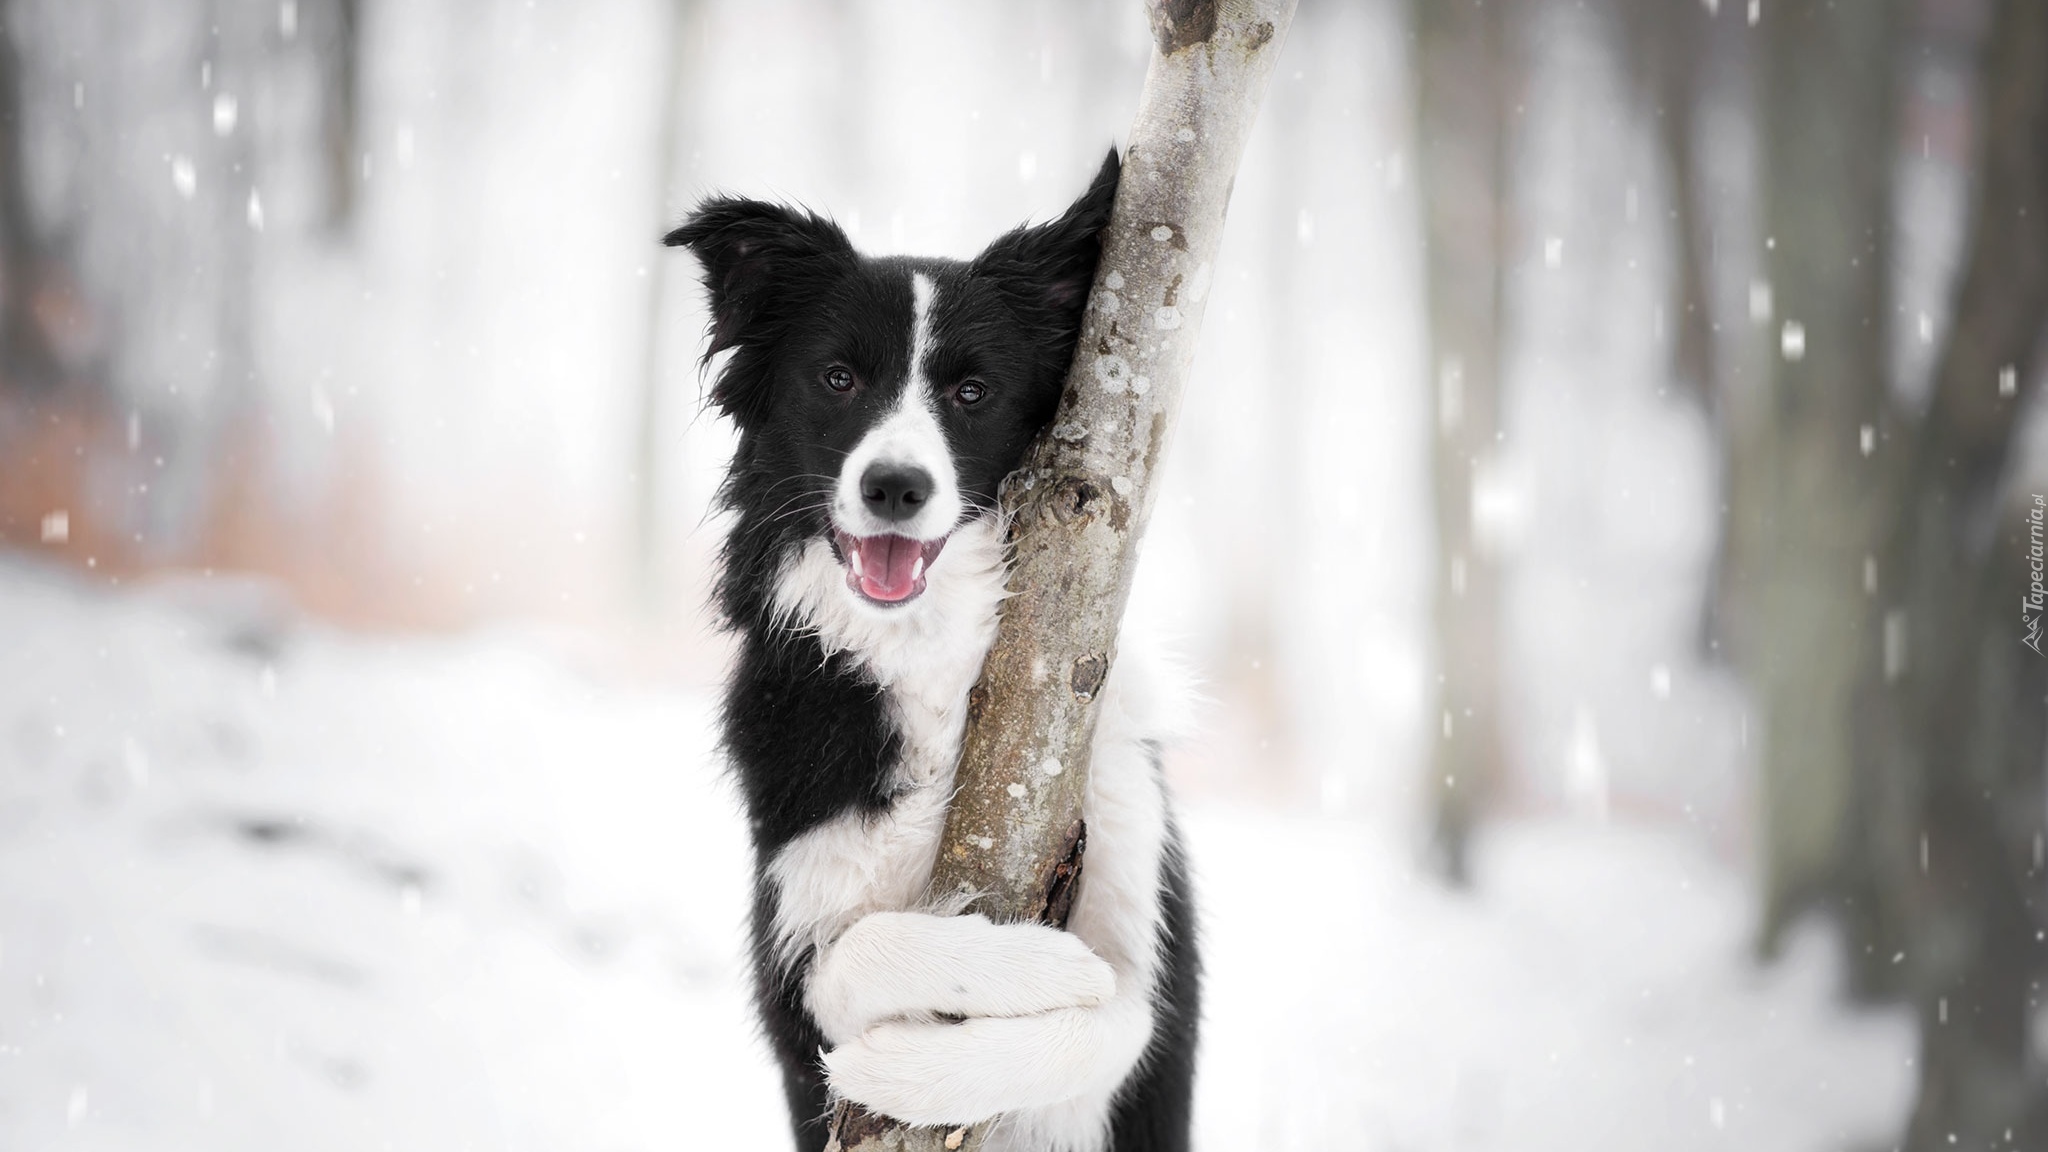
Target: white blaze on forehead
point(908, 435)
point(920, 336)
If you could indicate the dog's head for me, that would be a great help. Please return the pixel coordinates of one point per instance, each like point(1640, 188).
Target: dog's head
point(880, 401)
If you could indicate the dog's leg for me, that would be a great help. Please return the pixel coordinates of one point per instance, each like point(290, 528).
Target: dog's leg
point(897, 964)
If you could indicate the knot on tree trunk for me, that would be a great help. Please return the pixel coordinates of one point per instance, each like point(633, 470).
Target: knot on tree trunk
point(1086, 680)
point(1179, 23)
point(1066, 878)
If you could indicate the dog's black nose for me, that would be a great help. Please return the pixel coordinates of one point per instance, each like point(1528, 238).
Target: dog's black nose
point(895, 492)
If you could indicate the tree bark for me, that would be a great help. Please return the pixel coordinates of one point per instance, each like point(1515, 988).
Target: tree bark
point(1950, 776)
point(1079, 505)
point(1462, 78)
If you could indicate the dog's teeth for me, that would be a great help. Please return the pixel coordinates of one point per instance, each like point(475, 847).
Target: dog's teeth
point(917, 569)
point(856, 563)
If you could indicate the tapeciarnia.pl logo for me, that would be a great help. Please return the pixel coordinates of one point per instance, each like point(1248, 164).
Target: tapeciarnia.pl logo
point(2037, 596)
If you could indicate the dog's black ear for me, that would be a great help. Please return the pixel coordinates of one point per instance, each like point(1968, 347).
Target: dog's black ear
point(1047, 270)
point(757, 259)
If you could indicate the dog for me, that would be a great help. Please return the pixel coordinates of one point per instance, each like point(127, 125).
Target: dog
point(879, 402)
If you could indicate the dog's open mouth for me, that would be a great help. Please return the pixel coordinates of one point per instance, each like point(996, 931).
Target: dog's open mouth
point(886, 569)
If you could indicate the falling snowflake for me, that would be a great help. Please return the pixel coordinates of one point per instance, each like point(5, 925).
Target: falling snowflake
point(1792, 341)
point(184, 177)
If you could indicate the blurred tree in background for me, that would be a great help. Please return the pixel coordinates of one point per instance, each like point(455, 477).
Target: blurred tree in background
point(1875, 541)
point(1801, 462)
point(1952, 724)
point(28, 358)
point(1463, 75)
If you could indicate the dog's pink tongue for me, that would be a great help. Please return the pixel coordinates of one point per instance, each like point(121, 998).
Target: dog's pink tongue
point(889, 566)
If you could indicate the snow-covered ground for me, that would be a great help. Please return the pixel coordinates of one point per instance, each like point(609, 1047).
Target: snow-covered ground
point(265, 887)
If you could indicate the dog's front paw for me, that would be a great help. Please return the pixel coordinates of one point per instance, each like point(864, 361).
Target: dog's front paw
point(909, 964)
point(966, 1072)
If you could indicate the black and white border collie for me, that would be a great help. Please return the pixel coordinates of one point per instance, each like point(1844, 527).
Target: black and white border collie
point(879, 403)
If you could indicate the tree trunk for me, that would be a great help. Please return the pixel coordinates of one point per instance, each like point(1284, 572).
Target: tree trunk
point(1462, 78)
point(1666, 41)
point(27, 361)
point(679, 62)
point(1808, 449)
point(1951, 773)
point(340, 36)
point(1676, 46)
point(1079, 504)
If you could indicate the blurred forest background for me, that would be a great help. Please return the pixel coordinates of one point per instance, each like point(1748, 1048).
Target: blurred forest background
point(1606, 521)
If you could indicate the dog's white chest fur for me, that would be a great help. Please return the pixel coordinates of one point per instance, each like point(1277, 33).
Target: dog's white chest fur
point(1063, 1015)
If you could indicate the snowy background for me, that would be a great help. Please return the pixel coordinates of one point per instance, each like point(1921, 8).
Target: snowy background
point(264, 885)
point(357, 785)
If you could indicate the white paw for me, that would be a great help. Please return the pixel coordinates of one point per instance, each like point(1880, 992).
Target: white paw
point(932, 1073)
point(892, 965)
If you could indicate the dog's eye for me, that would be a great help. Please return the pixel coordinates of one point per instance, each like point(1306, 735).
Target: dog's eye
point(838, 379)
point(970, 392)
